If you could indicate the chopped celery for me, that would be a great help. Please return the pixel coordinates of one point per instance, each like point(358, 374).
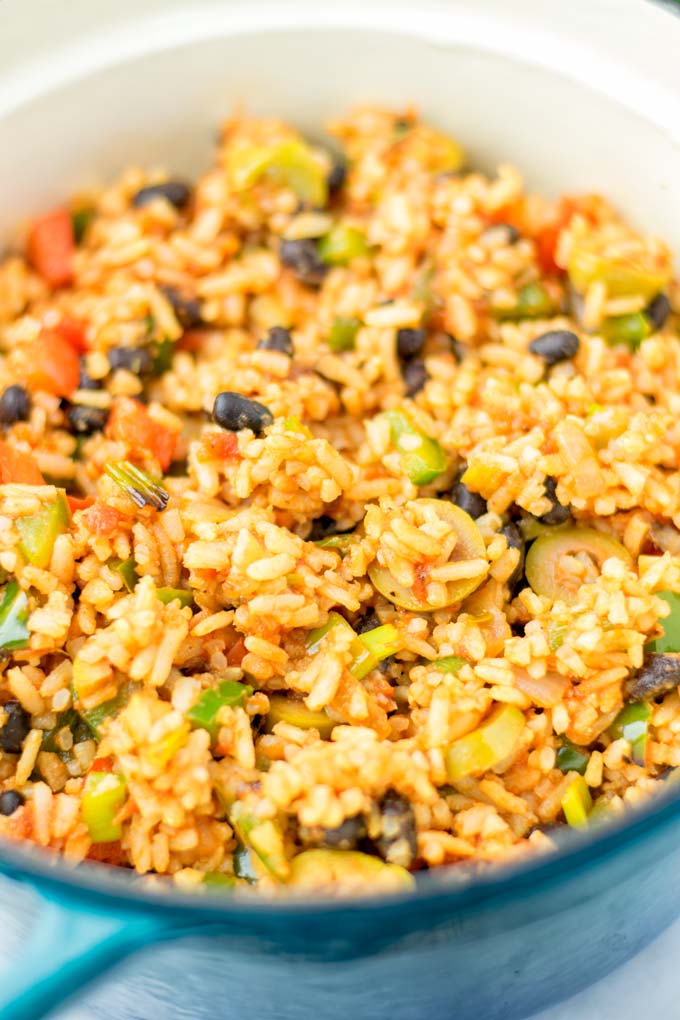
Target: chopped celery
point(340, 543)
point(263, 837)
point(422, 457)
point(571, 758)
point(127, 570)
point(103, 796)
point(138, 485)
point(485, 747)
point(39, 531)
point(577, 802)
point(181, 595)
point(670, 639)
point(631, 724)
point(449, 664)
point(95, 717)
point(341, 245)
point(343, 334)
point(324, 868)
point(14, 633)
point(533, 302)
point(228, 693)
point(291, 163)
point(283, 708)
point(630, 329)
point(368, 649)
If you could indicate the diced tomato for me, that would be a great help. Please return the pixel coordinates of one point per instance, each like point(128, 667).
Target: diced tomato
point(53, 365)
point(51, 246)
point(107, 853)
point(190, 340)
point(102, 518)
point(102, 764)
point(236, 653)
point(18, 466)
point(222, 444)
point(73, 332)
point(75, 503)
point(130, 423)
point(512, 213)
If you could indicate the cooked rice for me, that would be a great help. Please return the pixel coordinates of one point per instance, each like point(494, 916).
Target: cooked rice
point(244, 532)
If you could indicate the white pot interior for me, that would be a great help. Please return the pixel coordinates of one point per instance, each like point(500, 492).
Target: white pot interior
point(566, 102)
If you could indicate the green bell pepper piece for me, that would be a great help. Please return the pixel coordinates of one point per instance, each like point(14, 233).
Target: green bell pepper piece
point(39, 531)
point(103, 796)
point(291, 163)
point(449, 664)
point(343, 334)
point(577, 802)
point(341, 244)
point(168, 595)
point(571, 758)
point(228, 693)
point(263, 837)
point(368, 649)
point(632, 724)
point(422, 457)
point(127, 570)
point(670, 639)
point(630, 329)
point(95, 717)
point(340, 543)
point(533, 302)
point(13, 618)
point(489, 744)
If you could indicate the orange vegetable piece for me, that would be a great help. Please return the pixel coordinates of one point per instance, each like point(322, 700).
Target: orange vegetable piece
point(18, 466)
point(130, 423)
point(51, 246)
point(75, 503)
point(53, 365)
point(74, 333)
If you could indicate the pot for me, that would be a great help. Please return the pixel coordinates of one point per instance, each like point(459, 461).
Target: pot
point(581, 96)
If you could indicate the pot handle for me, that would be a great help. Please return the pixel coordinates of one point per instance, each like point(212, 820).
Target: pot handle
point(69, 947)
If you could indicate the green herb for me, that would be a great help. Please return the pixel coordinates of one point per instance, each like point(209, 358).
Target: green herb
point(138, 485)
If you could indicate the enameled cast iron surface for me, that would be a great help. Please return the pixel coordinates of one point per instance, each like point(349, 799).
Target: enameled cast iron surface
point(574, 100)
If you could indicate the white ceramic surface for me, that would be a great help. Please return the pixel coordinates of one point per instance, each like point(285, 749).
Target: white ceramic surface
point(572, 93)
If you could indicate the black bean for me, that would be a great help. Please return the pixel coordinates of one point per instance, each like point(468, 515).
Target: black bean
point(515, 540)
point(233, 411)
point(555, 346)
point(505, 232)
point(138, 360)
point(177, 193)
point(471, 502)
point(345, 836)
point(410, 342)
point(277, 339)
point(85, 420)
point(15, 405)
point(415, 376)
point(369, 621)
point(303, 257)
point(658, 310)
point(337, 177)
point(85, 380)
point(659, 675)
point(558, 514)
point(187, 309)
point(16, 728)
point(10, 800)
point(397, 843)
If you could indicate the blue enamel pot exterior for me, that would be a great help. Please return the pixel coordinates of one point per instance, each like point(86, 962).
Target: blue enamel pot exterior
point(566, 91)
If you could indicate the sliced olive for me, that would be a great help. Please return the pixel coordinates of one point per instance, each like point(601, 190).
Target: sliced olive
point(659, 675)
point(545, 572)
point(469, 545)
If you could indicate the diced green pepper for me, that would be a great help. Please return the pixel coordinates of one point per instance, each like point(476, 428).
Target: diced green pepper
point(368, 649)
point(449, 664)
point(343, 334)
point(577, 802)
point(670, 639)
point(263, 837)
point(533, 302)
point(571, 758)
point(163, 353)
point(630, 329)
point(342, 244)
point(422, 457)
point(103, 796)
point(39, 531)
point(485, 747)
point(81, 219)
point(95, 717)
point(181, 595)
point(643, 274)
point(341, 543)
point(228, 694)
point(632, 724)
point(218, 880)
point(14, 633)
point(542, 566)
point(68, 719)
point(283, 708)
point(138, 485)
point(291, 163)
point(323, 868)
point(127, 570)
